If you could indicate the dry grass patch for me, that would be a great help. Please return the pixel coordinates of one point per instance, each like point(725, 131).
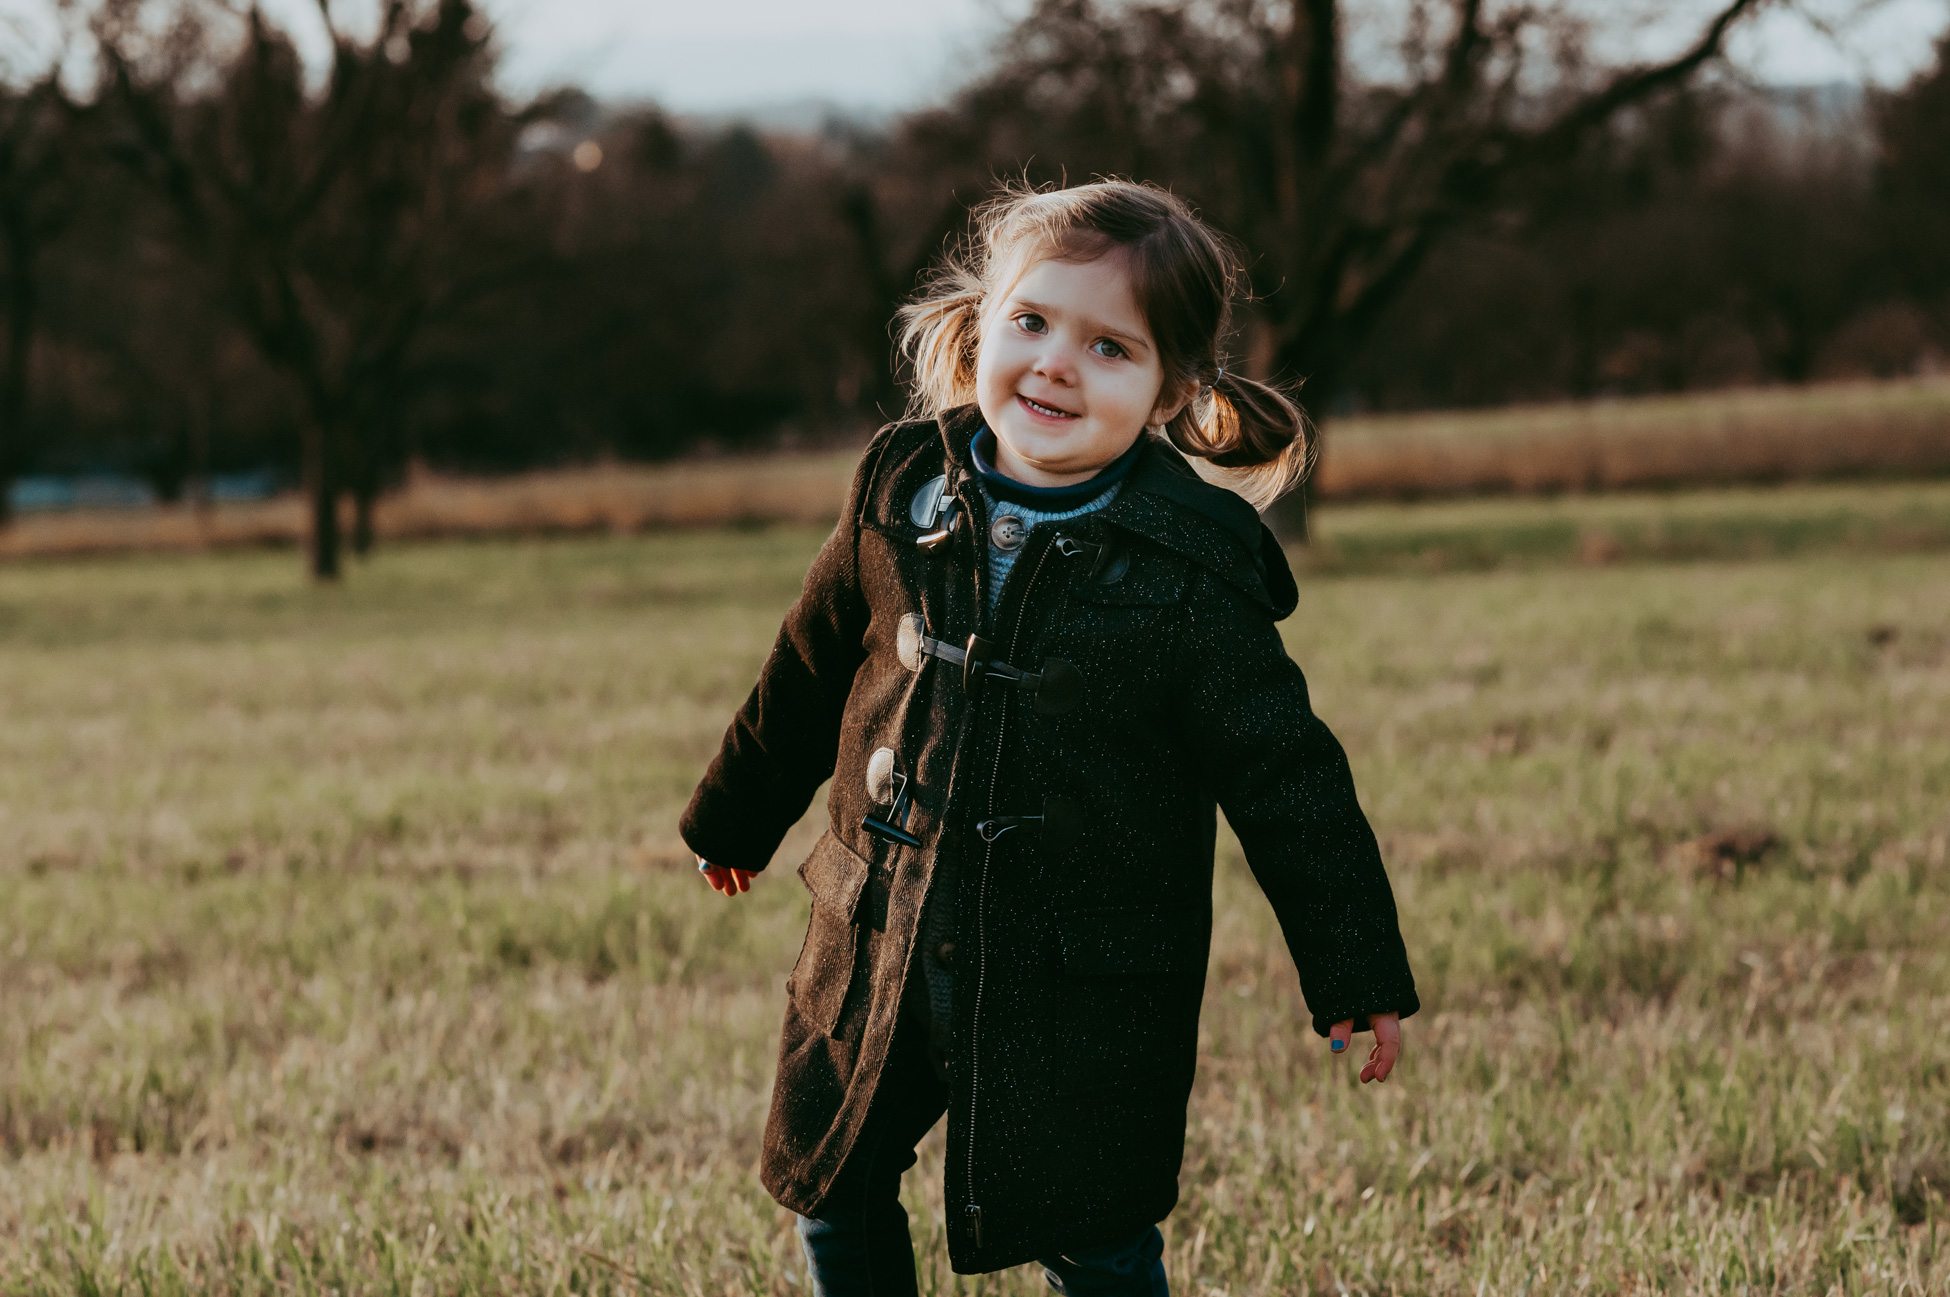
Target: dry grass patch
point(1855, 430)
point(1891, 429)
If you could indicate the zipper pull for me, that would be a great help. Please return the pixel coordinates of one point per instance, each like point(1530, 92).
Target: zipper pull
point(974, 1215)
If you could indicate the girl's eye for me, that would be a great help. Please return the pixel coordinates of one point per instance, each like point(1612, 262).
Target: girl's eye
point(1108, 349)
point(1030, 322)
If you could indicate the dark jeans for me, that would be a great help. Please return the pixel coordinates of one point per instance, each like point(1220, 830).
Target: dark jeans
point(858, 1245)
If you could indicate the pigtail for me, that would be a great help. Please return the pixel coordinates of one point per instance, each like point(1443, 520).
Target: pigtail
point(939, 333)
point(1247, 436)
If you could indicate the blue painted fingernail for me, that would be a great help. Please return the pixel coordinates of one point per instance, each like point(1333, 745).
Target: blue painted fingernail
point(1337, 1045)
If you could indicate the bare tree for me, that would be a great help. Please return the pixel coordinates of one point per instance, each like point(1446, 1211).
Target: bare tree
point(39, 196)
point(1913, 129)
point(1339, 184)
point(328, 214)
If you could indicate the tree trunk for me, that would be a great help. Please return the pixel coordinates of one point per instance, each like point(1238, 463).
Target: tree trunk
point(363, 498)
point(1291, 516)
point(198, 487)
point(322, 496)
point(13, 379)
point(360, 472)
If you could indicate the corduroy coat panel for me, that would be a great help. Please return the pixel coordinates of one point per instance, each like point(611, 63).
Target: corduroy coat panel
point(1081, 962)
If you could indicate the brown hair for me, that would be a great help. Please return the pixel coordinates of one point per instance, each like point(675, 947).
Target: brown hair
point(1184, 275)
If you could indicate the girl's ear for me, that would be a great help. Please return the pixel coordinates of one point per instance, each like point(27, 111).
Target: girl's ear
point(1172, 398)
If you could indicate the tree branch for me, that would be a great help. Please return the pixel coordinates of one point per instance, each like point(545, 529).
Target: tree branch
point(1451, 87)
point(1469, 39)
point(1316, 41)
point(324, 8)
point(1637, 84)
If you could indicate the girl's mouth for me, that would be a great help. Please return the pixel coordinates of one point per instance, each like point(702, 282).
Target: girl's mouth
point(1043, 411)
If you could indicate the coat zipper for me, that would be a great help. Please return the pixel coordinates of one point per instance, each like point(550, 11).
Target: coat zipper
point(973, 1210)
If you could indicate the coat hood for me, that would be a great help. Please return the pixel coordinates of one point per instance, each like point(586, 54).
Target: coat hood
point(1168, 503)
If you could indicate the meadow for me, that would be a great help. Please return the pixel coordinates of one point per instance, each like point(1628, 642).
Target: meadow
point(348, 946)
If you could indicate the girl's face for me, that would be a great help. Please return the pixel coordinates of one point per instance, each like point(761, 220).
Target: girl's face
point(1066, 372)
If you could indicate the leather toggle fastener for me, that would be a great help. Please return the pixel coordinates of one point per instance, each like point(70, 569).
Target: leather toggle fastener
point(887, 785)
point(1108, 562)
point(935, 508)
point(1058, 687)
point(1060, 824)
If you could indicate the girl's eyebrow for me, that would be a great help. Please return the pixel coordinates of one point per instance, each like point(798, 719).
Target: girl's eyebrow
point(1092, 326)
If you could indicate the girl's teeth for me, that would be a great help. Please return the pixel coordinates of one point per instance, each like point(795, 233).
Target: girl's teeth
point(1044, 409)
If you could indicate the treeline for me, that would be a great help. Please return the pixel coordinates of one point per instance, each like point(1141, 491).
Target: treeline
point(214, 258)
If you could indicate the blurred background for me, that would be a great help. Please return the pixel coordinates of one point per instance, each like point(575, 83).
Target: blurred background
point(415, 418)
point(339, 247)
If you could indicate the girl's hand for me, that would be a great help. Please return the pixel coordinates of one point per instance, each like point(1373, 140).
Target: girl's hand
point(1387, 1044)
point(729, 881)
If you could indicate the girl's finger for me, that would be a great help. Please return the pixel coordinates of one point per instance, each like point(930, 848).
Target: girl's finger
point(1339, 1036)
point(1387, 1048)
point(743, 878)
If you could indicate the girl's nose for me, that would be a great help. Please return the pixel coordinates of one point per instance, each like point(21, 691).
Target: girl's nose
point(1055, 363)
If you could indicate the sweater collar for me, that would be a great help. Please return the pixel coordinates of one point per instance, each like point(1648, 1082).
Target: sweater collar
point(1162, 496)
point(1045, 499)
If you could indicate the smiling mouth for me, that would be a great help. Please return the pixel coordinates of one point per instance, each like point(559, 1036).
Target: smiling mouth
point(1047, 411)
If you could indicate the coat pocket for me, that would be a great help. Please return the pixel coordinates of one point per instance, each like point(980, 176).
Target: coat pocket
point(828, 962)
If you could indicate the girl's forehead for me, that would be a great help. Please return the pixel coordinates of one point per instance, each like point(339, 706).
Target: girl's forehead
point(1098, 286)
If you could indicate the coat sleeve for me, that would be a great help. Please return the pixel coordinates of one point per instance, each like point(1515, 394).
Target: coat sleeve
point(783, 743)
point(1284, 783)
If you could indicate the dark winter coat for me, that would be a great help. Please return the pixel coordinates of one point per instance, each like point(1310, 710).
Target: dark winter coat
point(1083, 940)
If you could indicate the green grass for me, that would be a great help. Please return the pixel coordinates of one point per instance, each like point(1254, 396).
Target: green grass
point(347, 944)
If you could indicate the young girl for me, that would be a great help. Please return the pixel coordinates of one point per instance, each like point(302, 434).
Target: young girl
point(1034, 657)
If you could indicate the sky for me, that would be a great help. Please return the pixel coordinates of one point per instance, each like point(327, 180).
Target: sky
point(883, 56)
point(872, 55)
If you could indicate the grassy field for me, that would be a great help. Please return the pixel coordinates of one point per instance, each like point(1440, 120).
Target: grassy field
point(348, 947)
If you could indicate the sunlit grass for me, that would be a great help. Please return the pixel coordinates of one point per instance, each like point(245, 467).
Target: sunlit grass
point(348, 944)
point(1841, 430)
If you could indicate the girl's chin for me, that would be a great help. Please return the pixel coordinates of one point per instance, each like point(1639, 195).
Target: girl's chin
point(1046, 466)
point(1043, 452)
point(1036, 446)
